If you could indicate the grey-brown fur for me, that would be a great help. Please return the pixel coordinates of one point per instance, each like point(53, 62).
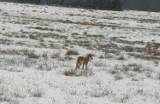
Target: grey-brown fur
point(81, 60)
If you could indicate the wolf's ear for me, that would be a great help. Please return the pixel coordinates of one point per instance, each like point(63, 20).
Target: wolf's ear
point(91, 57)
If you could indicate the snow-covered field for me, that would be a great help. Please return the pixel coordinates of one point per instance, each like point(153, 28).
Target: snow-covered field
point(39, 46)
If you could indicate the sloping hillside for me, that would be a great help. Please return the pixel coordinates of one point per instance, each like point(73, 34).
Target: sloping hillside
point(39, 46)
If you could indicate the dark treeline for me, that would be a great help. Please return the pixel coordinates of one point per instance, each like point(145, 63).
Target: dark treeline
point(145, 5)
point(95, 4)
point(23, 1)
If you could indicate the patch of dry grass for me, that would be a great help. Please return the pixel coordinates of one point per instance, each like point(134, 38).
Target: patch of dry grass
point(144, 56)
point(31, 54)
point(130, 70)
point(72, 52)
point(70, 73)
point(121, 57)
point(118, 40)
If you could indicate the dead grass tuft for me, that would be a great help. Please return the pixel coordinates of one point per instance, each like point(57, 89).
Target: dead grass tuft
point(45, 66)
point(56, 55)
point(100, 64)
point(144, 56)
point(113, 71)
point(32, 54)
point(72, 52)
point(132, 67)
point(129, 70)
point(121, 57)
point(156, 62)
point(70, 73)
point(98, 92)
point(127, 48)
point(158, 75)
point(118, 77)
point(36, 93)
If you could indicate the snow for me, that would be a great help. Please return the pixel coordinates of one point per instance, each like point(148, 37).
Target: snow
point(34, 41)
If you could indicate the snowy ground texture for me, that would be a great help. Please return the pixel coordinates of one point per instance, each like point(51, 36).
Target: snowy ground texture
point(39, 46)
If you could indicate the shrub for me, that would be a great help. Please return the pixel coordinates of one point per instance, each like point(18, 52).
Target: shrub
point(98, 92)
point(70, 73)
point(120, 57)
point(158, 76)
point(31, 54)
point(72, 52)
point(118, 77)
